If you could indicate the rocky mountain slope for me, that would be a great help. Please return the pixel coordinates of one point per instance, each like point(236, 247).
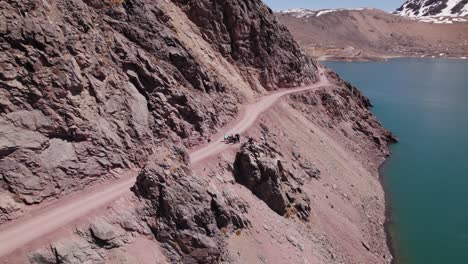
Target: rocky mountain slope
point(89, 86)
point(428, 8)
point(371, 34)
point(91, 89)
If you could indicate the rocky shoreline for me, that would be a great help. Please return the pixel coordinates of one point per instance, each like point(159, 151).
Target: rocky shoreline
point(388, 214)
point(384, 58)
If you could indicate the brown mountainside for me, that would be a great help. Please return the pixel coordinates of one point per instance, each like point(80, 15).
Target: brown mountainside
point(88, 87)
point(374, 34)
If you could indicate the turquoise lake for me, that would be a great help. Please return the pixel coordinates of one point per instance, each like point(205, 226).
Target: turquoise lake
point(424, 102)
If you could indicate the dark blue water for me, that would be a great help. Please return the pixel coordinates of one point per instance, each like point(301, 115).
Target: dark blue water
point(425, 103)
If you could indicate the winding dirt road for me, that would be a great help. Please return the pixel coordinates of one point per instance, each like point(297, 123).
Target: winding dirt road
point(20, 232)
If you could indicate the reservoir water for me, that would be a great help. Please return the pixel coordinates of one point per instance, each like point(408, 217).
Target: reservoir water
point(424, 102)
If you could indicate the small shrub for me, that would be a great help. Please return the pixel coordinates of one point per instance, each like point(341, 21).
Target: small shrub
point(225, 231)
point(290, 212)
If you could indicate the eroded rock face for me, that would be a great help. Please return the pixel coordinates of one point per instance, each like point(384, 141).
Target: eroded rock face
point(95, 244)
point(72, 251)
point(8, 207)
point(87, 86)
point(248, 33)
point(184, 212)
point(258, 167)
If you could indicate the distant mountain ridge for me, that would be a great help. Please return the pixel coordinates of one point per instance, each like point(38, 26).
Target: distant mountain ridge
point(372, 34)
point(433, 8)
point(305, 13)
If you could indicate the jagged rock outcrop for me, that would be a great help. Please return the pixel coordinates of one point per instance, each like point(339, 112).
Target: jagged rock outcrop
point(88, 86)
point(93, 245)
point(105, 235)
point(184, 212)
point(257, 166)
point(73, 251)
point(248, 33)
point(346, 104)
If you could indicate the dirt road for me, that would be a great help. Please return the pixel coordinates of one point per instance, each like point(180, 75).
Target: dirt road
point(17, 233)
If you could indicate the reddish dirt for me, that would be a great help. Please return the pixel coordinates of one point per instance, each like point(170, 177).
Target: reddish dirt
point(56, 215)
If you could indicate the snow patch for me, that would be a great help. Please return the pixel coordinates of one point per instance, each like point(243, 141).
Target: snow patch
point(439, 12)
point(306, 13)
point(439, 19)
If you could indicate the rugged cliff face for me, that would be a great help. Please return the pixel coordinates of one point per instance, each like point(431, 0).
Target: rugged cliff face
point(248, 33)
point(90, 86)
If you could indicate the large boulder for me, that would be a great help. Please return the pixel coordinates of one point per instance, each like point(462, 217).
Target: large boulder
point(70, 251)
point(258, 168)
point(183, 212)
point(105, 235)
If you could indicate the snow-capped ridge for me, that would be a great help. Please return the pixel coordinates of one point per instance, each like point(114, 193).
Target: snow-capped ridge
point(430, 8)
point(305, 13)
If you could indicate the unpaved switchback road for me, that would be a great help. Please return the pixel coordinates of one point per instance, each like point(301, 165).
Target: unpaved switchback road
point(250, 114)
point(18, 233)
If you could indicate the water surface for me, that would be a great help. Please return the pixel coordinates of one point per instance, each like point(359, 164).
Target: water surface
point(425, 103)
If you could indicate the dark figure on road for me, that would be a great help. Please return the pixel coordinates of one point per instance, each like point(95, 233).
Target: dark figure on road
point(232, 138)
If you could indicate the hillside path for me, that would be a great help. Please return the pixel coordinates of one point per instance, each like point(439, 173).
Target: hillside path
point(17, 233)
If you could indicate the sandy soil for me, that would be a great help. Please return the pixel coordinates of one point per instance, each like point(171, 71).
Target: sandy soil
point(32, 227)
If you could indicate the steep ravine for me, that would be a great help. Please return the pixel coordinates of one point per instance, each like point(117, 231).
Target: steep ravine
point(89, 88)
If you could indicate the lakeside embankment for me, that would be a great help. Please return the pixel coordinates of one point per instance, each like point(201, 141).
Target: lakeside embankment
point(381, 58)
point(423, 102)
